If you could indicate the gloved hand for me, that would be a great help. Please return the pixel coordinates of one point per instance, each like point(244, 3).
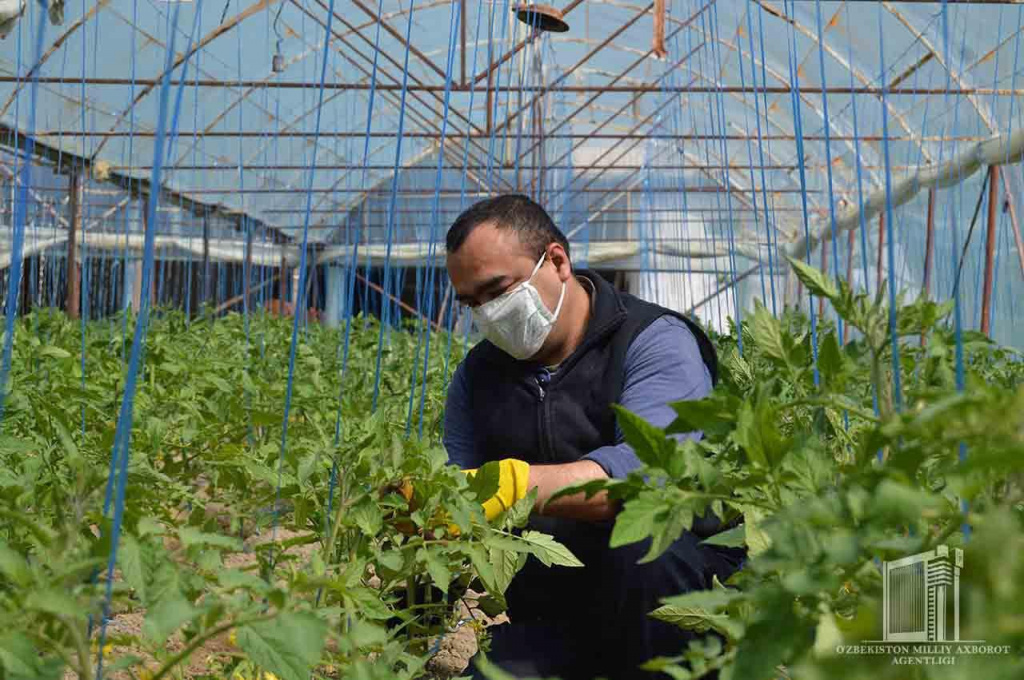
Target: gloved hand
point(513, 484)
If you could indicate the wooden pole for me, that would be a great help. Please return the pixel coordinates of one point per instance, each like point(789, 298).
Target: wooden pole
point(990, 250)
point(74, 270)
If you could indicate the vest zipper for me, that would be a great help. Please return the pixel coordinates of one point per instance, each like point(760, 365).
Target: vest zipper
point(542, 378)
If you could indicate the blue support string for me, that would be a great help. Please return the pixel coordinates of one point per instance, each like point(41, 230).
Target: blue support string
point(122, 437)
point(394, 199)
point(302, 273)
point(794, 77)
point(24, 173)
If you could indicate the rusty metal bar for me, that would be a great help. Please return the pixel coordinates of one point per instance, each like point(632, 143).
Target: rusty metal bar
point(1011, 208)
point(456, 192)
point(457, 88)
point(990, 250)
point(73, 270)
point(519, 46)
point(929, 244)
point(146, 134)
point(414, 312)
point(528, 166)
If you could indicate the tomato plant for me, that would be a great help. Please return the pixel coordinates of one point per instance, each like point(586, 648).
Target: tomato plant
point(237, 556)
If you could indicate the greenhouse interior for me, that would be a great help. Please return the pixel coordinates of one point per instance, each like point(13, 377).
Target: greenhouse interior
point(258, 420)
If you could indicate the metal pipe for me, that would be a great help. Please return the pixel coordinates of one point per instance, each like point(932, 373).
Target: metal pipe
point(990, 251)
point(74, 271)
point(929, 244)
point(1013, 222)
point(692, 136)
point(458, 88)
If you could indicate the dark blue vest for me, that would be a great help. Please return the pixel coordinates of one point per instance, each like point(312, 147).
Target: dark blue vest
point(520, 410)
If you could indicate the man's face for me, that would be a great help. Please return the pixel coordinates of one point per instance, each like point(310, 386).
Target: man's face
point(492, 261)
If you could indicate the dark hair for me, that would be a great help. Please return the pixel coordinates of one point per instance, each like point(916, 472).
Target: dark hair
point(515, 212)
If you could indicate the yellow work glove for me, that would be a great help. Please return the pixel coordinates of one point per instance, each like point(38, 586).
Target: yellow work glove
point(513, 483)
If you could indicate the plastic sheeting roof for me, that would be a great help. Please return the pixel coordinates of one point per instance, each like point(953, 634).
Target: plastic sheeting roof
point(716, 113)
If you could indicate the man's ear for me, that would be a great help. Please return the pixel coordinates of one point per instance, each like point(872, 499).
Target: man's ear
point(558, 256)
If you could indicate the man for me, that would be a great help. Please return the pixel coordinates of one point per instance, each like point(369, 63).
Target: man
point(561, 346)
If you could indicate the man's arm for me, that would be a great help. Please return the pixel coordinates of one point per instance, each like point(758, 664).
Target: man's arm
point(459, 440)
point(663, 365)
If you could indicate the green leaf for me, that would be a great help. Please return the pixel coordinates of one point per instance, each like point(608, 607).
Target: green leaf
point(288, 646)
point(14, 566)
point(54, 352)
point(365, 634)
point(519, 513)
point(549, 551)
point(697, 619)
point(757, 432)
point(679, 519)
point(830, 358)
point(731, 538)
point(507, 564)
point(236, 578)
point(436, 567)
point(637, 519)
point(54, 602)
point(190, 536)
point(483, 484)
point(367, 516)
point(817, 283)
point(767, 331)
point(130, 558)
point(713, 416)
point(20, 660)
point(481, 562)
point(648, 442)
point(169, 614)
point(492, 606)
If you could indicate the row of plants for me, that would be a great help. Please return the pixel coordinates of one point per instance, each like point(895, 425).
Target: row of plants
point(237, 555)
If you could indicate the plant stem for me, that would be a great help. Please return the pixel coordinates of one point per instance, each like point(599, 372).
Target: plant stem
point(198, 640)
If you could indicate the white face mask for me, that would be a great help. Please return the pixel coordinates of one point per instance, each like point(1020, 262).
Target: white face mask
point(518, 322)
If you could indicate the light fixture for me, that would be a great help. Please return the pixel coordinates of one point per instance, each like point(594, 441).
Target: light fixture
point(542, 18)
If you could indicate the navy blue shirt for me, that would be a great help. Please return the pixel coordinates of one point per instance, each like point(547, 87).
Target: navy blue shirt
point(663, 365)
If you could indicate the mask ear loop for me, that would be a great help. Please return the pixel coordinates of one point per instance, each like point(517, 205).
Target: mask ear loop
point(558, 307)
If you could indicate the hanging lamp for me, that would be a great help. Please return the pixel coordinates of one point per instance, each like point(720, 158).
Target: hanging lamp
point(542, 17)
